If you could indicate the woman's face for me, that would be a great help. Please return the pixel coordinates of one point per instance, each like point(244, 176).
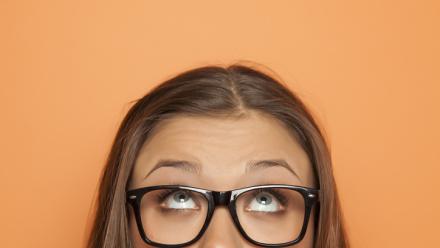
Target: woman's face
point(221, 148)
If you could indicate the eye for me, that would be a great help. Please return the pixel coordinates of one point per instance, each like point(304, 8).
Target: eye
point(179, 200)
point(266, 202)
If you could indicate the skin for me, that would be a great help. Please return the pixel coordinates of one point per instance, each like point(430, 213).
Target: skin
point(222, 147)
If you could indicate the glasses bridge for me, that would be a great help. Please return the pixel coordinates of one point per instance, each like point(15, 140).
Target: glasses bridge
point(221, 198)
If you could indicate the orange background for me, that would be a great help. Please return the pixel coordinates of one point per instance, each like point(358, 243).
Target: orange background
point(368, 69)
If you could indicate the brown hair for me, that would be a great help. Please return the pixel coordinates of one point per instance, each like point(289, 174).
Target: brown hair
point(213, 91)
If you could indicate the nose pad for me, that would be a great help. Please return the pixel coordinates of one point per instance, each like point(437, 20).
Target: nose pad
point(221, 231)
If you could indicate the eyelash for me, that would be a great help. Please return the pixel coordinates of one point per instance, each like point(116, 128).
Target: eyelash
point(165, 193)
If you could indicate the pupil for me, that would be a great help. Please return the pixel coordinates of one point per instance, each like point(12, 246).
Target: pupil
point(180, 197)
point(264, 200)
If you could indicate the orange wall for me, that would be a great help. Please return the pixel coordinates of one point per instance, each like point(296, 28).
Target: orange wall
point(369, 70)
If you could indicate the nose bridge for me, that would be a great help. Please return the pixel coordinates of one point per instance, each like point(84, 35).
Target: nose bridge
point(221, 231)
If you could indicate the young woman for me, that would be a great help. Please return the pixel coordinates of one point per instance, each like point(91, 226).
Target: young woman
point(218, 157)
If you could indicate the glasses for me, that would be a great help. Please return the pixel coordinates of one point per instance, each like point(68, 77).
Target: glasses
point(269, 215)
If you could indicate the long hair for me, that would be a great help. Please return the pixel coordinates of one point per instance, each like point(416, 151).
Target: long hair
point(217, 92)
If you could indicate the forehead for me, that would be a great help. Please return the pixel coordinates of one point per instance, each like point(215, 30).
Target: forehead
point(222, 145)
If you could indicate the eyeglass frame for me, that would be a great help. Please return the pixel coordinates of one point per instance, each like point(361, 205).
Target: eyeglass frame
point(223, 198)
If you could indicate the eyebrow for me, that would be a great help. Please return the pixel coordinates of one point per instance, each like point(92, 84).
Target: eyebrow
point(195, 167)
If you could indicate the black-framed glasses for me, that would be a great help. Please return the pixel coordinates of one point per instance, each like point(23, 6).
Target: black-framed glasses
point(269, 215)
